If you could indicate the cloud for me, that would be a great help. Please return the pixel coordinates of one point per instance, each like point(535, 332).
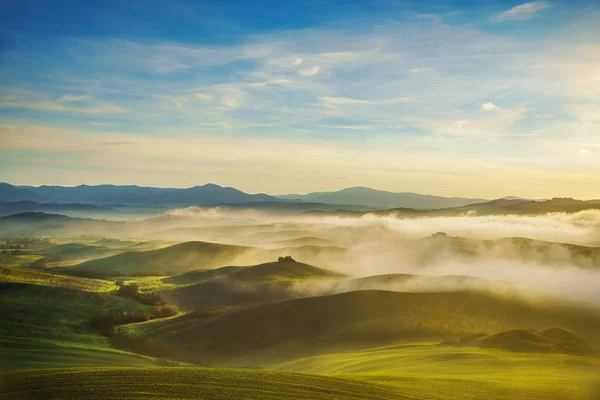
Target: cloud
point(225, 125)
point(232, 99)
point(193, 155)
point(96, 107)
point(461, 124)
point(522, 12)
point(119, 143)
point(489, 106)
point(586, 113)
point(333, 101)
point(70, 97)
point(417, 70)
point(297, 61)
point(310, 71)
point(9, 98)
point(180, 101)
point(352, 127)
point(203, 96)
point(272, 82)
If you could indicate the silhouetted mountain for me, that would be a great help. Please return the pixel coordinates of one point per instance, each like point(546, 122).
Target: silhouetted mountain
point(8, 208)
point(502, 207)
point(209, 194)
point(14, 193)
point(381, 199)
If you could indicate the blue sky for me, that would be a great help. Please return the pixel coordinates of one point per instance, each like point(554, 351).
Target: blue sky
point(477, 98)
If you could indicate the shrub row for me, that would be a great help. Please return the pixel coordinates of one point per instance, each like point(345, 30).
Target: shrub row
point(106, 324)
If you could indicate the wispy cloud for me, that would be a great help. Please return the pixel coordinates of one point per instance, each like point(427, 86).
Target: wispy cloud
point(71, 97)
point(203, 96)
point(310, 71)
point(489, 106)
point(333, 101)
point(83, 105)
point(523, 11)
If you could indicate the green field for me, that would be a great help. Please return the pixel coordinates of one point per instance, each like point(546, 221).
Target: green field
point(51, 278)
point(184, 383)
point(429, 371)
point(289, 329)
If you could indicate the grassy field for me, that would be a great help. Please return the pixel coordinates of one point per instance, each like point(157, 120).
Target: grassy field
point(26, 354)
point(20, 260)
point(429, 371)
point(184, 383)
point(51, 278)
point(357, 320)
point(55, 313)
point(171, 260)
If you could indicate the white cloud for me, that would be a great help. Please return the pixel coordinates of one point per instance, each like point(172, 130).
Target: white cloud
point(270, 83)
point(297, 61)
point(586, 113)
point(232, 99)
point(36, 103)
point(71, 97)
point(522, 12)
point(310, 71)
point(203, 96)
point(333, 101)
point(180, 101)
point(225, 125)
point(351, 127)
point(417, 70)
point(489, 106)
point(461, 124)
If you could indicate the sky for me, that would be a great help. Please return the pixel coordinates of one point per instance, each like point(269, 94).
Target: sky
point(454, 98)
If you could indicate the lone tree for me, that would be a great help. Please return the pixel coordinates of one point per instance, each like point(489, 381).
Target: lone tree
point(286, 259)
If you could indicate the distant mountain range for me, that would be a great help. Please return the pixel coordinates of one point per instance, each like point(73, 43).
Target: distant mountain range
point(131, 195)
point(381, 199)
point(211, 195)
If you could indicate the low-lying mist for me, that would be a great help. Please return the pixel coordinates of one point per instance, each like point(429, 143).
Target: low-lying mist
point(549, 255)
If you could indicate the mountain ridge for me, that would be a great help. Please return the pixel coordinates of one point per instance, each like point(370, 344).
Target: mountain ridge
point(212, 194)
point(361, 195)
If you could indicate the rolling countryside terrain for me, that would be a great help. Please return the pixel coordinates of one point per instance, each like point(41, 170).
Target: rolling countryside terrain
point(298, 306)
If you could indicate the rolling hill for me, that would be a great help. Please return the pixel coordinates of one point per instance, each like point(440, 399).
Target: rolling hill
point(427, 371)
point(186, 383)
point(170, 260)
point(244, 286)
point(8, 208)
point(295, 328)
point(500, 207)
point(38, 223)
point(381, 199)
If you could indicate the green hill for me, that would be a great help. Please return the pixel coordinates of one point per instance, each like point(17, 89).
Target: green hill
point(243, 286)
point(76, 251)
point(200, 275)
point(184, 383)
point(553, 340)
point(426, 371)
point(170, 260)
point(298, 327)
point(304, 241)
point(283, 270)
point(55, 313)
point(51, 278)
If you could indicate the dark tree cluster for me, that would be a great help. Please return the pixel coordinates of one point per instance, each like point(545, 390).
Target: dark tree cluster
point(151, 298)
point(286, 259)
point(106, 324)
